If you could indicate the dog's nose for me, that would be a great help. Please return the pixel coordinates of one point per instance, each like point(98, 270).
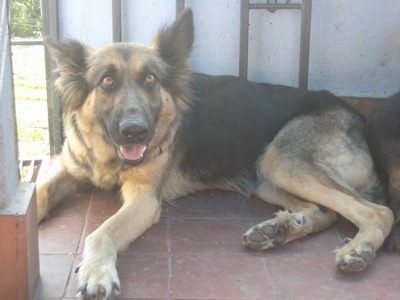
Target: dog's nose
point(133, 131)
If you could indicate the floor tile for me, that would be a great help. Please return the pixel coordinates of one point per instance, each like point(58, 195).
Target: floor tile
point(54, 275)
point(103, 205)
point(153, 241)
point(73, 207)
point(219, 277)
point(383, 275)
point(314, 277)
point(144, 276)
point(211, 236)
point(209, 204)
point(259, 209)
point(60, 235)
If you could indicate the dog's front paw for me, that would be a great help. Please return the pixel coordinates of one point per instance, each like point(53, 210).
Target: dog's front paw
point(97, 281)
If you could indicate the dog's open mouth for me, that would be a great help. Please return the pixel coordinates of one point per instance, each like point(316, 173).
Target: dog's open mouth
point(132, 154)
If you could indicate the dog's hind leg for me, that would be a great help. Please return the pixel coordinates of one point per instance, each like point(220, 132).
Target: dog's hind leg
point(323, 159)
point(314, 183)
point(373, 221)
point(298, 220)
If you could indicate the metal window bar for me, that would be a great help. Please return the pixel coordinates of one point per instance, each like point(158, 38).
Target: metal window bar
point(305, 7)
point(180, 6)
point(50, 30)
point(117, 21)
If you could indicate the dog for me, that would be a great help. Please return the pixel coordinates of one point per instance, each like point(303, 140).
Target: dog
point(383, 135)
point(136, 118)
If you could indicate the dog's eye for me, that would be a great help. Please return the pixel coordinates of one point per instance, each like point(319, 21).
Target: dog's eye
point(107, 81)
point(150, 79)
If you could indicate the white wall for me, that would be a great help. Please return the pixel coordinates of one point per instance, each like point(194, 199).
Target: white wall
point(88, 20)
point(355, 45)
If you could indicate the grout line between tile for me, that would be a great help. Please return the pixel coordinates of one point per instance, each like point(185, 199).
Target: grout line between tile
point(78, 244)
point(268, 276)
point(65, 292)
point(369, 285)
point(85, 219)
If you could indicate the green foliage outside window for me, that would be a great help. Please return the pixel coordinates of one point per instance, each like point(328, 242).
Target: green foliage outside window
point(25, 18)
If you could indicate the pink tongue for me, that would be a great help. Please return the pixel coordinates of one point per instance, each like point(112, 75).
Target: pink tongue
point(134, 152)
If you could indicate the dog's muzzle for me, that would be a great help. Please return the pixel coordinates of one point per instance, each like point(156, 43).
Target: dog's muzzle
point(134, 139)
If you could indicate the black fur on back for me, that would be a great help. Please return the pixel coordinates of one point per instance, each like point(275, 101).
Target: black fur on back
point(233, 120)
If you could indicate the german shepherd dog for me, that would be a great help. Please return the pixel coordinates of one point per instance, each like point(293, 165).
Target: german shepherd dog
point(136, 118)
point(383, 134)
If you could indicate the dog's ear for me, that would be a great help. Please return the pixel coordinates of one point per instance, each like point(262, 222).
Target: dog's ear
point(174, 44)
point(71, 58)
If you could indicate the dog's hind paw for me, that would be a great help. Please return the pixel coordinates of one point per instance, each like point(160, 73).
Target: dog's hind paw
point(354, 259)
point(265, 235)
point(99, 283)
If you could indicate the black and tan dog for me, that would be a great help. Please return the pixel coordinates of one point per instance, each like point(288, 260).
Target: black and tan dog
point(383, 133)
point(138, 119)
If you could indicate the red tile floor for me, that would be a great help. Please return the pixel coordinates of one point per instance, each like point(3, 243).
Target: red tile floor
point(195, 252)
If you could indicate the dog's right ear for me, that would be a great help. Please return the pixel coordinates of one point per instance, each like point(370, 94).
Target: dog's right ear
point(71, 58)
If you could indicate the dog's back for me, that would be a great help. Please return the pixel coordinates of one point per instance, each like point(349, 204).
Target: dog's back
point(233, 120)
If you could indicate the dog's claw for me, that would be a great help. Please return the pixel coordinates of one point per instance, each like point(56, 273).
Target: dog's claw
point(82, 290)
point(116, 287)
point(100, 294)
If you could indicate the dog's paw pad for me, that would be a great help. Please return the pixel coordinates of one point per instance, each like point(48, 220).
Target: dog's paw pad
point(355, 261)
point(264, 236)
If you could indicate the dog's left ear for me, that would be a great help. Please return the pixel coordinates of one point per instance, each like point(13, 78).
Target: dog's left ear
point(175, 42)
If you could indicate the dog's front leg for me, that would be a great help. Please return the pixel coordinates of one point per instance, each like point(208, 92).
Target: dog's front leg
point(97, 274)
point(55, 185)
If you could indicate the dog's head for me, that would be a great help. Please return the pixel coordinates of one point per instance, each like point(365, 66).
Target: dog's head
point(127, 85)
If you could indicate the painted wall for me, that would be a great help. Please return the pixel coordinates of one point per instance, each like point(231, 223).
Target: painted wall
point(354, 45)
